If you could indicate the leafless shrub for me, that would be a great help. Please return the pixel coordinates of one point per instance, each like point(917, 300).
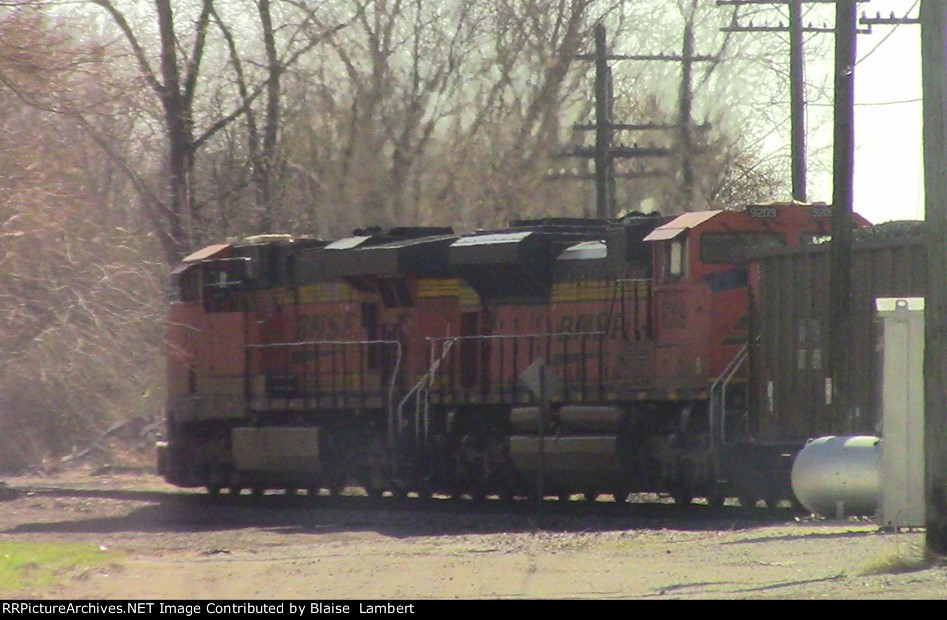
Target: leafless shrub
point(80, 291)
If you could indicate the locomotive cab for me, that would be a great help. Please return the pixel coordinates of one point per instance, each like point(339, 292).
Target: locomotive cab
point(228, 300)
point(702, 319)
point(701, 294)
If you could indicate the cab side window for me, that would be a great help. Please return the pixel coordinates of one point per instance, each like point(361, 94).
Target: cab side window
point(675, 259)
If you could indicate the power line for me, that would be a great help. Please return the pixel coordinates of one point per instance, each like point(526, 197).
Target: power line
point(605, 152)
point(866, 103)
point(796, 28)
point(877, 103)
point(878, 19)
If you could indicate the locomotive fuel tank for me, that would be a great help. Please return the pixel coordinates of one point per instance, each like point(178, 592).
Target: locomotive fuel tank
point(577, 450)
point(588, 464)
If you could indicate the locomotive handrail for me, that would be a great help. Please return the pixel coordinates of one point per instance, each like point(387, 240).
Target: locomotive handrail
point(497, 336)
point(273, 345)
point(548, 336)
point(427, 377)
point(234, 259)
point(720, 386)
point(394, 371)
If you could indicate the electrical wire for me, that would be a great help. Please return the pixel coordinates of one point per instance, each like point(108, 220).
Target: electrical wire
point(874, 103)
point(887, 36)
point(866, 103)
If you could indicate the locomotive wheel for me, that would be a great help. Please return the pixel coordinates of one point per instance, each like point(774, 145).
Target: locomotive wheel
point(291, 491)
point(620, 495)
point(716, 497)
point(334, 491)
point(399, 493)
point(258, 492)
point(335, 487)
point(747, 501)
point(683, 497)
point(590, 496)
point(213, 490)
point(236, 490)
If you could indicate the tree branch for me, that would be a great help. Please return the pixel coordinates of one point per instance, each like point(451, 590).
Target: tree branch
point(194, 64)
point(248, 101)
point(146, 71)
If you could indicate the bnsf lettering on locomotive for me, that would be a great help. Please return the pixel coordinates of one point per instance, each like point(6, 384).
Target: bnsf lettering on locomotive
point(763, 213)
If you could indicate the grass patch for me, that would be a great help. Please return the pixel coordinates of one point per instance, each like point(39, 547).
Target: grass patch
point(907, 559)
point(27, 565)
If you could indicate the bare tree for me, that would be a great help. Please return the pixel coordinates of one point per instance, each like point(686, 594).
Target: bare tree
point(80, 292)
point(173, 72)
point(449, 112)
point(174, 82)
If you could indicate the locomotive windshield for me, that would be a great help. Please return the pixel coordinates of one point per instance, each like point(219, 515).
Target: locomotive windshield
point(732, 247)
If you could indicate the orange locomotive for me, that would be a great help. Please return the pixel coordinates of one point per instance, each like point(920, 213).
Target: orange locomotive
point(611, 355)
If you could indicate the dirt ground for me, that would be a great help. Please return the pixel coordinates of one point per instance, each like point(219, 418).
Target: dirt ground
point(174, 544)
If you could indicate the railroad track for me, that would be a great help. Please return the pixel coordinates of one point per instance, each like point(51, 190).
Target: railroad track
point(637, 506)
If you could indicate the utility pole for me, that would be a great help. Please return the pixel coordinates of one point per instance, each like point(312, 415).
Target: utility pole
point(605, 152)
point(797, 84)
point(933, 21)
point(604, 164)
point(840, 292)
point(797, 102)
point(841, 336)
point(838, 383)
point(684, 110)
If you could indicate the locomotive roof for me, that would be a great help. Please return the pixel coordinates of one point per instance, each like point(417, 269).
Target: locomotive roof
point(363, 255)
point(205, 253)
point(348, 243)
point(406, 243)
point(585, 250)
point(522, 261)
point(491, 239)
point(680, 224)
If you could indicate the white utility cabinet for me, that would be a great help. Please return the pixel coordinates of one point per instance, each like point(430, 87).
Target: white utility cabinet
point(901, 343)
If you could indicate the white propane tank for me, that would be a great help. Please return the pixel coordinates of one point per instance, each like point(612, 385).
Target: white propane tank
point(839, 476)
